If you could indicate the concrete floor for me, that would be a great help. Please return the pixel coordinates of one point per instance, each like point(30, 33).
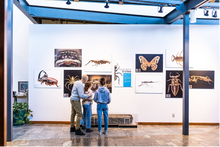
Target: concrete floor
point(144, 135)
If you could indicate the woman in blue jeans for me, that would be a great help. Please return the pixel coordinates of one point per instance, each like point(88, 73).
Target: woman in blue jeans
point(102, 98)
point(87, 108)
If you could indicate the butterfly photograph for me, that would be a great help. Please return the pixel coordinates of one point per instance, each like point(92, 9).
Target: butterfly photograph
point(149, 63)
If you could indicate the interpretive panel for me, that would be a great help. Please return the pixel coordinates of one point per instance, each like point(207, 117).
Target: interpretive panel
point(68, 58)
point(98, 62)
point(201, 79)
point(95, 79)
point(122, 73)
point(149, 83)
point(70, 77)
point(174, 86)
point(44, 78)
point(149, 63)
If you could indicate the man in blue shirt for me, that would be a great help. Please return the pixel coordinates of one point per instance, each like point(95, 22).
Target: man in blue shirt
point(77, 93)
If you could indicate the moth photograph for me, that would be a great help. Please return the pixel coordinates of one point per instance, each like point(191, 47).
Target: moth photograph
point(69, 78)
point(68, 58)
point(174, 85)
point(149, 63)
point(201, 79)
point(95, 81)
point(98, 62)
point(47, 78)
point(149, 83)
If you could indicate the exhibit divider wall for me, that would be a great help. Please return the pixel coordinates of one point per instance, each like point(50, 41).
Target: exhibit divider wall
point(140, 63)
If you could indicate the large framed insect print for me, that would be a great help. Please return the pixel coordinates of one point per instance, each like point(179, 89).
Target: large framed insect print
point(149, 83)
point(95, 79)
point(122, 73)
point(44, 78)
point(174, 58)
point(70, 77)
point(174, 85)
point(201, 79)
point(68, 58)
point(98, 62)
point(149, 63)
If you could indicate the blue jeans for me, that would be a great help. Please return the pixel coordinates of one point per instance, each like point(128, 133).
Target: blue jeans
point(102, 108)
point(87, 114)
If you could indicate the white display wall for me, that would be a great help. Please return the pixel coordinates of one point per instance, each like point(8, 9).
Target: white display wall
point(123, 42)
point(20, 47)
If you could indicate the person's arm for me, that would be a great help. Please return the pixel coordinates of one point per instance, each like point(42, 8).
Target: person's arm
point(109, 98)
point(96, 97)
point(81, 92)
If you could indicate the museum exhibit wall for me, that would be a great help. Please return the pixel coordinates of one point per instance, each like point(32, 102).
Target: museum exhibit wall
point(123, 42)
point(20, 47)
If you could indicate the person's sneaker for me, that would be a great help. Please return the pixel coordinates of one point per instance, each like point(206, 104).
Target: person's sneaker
point(89, 130)
point(105, 132)
point(72, 129)
point(83, 128)
point(100, 133)
point(79, 132)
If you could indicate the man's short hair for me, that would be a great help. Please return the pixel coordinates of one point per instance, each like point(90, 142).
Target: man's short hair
point(85, 78)
point(102, 81)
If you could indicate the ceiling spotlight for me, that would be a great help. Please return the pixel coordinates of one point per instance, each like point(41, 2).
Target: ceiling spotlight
point(106, 5)
point(206, 12)
point(214, 13)
point(68, 2)
point(160, 9)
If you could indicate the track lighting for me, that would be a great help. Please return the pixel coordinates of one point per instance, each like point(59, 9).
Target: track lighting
point(68, 2)
point(160, 9)
point(106, 5)
point(214, 13)
point(206, 12)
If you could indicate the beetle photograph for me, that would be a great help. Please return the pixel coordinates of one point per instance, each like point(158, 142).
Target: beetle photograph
point(174, 85)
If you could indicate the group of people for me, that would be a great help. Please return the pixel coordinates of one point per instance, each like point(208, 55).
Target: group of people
point(82, 90)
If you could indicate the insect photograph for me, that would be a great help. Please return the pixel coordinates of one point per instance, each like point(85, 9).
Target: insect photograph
point(68, 58)
point(149, 63)
point(149, 83)
point(47, 78)
point(95, 81)
point(201, 79)
point(69, 78)
point(174, 85)
point(98, 62)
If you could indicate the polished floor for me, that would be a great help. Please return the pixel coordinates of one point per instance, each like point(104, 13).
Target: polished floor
point(144, 135)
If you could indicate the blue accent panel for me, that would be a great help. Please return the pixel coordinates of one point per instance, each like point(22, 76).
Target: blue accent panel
point(45, 12)
point(182, 9)
point(126, 79)
point(199, 22)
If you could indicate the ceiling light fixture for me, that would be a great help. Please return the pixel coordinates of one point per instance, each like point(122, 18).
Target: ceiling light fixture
point(160, 9)
point(68, 2)
point(106, 5)
point(206, 12)
point(214, 13)
point(193, 16)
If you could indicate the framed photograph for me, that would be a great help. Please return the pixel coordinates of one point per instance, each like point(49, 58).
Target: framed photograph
point(95, 81)
point(69, 78)
point(98, 62)
point(201, 79)
point(174, 85)
point(149, 83)
point(44, 78)
point(122, 73)
point(68, 58)
point(174, 58)
point(149, 63)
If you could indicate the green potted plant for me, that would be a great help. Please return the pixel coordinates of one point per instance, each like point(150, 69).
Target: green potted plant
point(21, 113)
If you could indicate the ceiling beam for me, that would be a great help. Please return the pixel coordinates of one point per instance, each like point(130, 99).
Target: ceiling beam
point(81, 15)
point(185, 7)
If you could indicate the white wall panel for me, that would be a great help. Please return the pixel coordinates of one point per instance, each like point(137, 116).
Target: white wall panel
point(123, 42)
